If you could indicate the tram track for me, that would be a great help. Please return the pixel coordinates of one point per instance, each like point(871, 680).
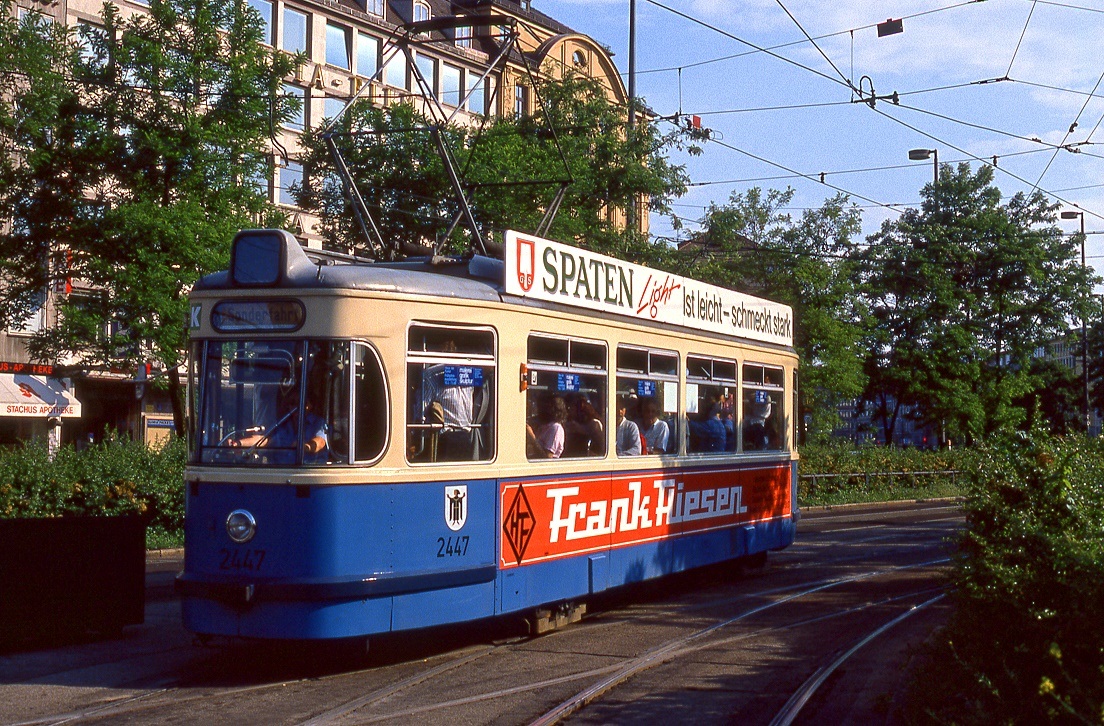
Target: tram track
point(611, 675)
point(682, 646)
point(169, 697)
point(143, 702)
point(598, 665)
point(793, 707)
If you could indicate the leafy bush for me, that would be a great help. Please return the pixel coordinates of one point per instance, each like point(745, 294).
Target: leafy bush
point(1025, 642)
point(857, 474)
point(117, 476)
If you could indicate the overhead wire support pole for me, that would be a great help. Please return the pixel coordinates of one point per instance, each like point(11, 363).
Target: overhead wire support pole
point(360, 209)
point(569, 179)
point(630, 220)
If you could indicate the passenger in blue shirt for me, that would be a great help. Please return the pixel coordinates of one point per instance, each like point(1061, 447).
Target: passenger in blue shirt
point(282, 438)
point(708, 435)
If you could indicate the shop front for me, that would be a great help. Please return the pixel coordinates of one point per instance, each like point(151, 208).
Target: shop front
point(35, 407)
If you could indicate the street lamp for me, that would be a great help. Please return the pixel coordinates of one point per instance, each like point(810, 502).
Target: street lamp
point(924, 155)
point(1084, 337)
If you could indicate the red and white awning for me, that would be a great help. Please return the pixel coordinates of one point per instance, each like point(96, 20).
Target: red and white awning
point(36, 397)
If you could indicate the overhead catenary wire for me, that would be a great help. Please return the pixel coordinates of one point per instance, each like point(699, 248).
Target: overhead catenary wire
point(881, 112)
point(836, 172)
point(780, 46)
point(984, 161)
point(759, 48)
point(1022, 34)
point(811, 40)
point(1043, 145)
point(1070, 131)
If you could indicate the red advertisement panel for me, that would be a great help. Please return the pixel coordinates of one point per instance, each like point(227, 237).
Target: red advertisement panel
point(545, 519)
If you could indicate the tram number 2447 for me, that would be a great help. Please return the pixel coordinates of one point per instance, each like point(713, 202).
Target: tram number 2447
point(452, 546)
point(238, 559)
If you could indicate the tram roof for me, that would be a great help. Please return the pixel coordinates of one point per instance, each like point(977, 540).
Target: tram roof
point(418, 277)
point(274, 260)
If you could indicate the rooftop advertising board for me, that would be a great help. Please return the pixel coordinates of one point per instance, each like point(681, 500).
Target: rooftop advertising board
point(545, 270)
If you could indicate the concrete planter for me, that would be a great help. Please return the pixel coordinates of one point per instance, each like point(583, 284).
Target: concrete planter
point(65, 576)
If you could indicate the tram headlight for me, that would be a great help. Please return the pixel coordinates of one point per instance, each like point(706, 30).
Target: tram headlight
point(241, 526)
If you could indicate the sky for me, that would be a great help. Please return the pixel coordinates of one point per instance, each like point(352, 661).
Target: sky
point(790, 112)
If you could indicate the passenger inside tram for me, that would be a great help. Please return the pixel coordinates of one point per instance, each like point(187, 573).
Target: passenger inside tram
point(629, 441)
point(585, 435)
point(655, 431)
point(547, 441)
point(759, 408)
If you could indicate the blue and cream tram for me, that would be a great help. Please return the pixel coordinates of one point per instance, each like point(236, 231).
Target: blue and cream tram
point(385, 446)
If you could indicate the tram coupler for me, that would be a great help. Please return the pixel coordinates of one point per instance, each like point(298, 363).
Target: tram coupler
point(545, 620)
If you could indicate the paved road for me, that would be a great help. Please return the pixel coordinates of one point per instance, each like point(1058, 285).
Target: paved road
point(707, 647)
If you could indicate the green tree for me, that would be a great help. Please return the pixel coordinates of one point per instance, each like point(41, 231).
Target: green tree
point(963, 291)
point(751, 245)
point(167, 126)
point(510, 164)
point(1054, 403)
point(44, 163)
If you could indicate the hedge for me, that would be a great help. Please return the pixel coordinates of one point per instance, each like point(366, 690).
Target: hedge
point(1025, 641)
point(116, 476)
point(846, 473)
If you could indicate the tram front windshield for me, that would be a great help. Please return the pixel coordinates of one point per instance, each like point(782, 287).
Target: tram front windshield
point(272, 402)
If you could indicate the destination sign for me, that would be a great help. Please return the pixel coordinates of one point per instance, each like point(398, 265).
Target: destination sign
point(231, 316)
point(545, 270)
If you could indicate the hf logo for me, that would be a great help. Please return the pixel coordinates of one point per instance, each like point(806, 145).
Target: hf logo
point(456, 506)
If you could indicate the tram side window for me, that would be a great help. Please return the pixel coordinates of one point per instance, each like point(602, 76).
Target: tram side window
point(450, 376)
point(710, 405)
point(764, 407)
point(369, 403)
point(566, 398)
point(647, 382)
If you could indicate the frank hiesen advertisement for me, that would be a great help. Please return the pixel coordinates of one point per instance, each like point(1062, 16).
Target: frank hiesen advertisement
point(545, 270)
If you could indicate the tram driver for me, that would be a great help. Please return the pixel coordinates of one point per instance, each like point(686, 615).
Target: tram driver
point(285, 433)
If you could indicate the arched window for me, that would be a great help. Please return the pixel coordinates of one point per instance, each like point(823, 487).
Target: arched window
point(421, 12)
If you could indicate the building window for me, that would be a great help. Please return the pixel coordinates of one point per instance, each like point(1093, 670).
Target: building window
point(375, 7)
point(367, 59)
point(295, 31)
point(421, 12)
point(337, 45)
point(463, 36)
point(394, 73)
point(450, 85)
point(290, 176)
point(298, 119)
point(521, 101)
point(428, 68)
point(264, 9)
point(258, 178)
point(35, 321)
point(477, 98)
point(332, 106)
point(91, 40)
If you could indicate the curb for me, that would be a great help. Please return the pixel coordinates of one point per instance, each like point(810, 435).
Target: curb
point(175, 553)
point(872, 505)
